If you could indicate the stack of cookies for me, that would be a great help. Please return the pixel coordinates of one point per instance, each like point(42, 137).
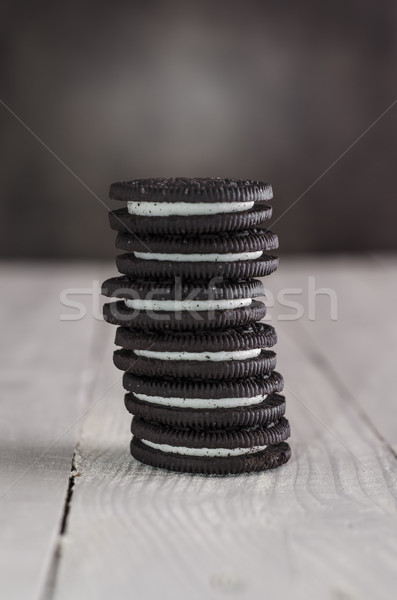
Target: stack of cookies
point(198, 363)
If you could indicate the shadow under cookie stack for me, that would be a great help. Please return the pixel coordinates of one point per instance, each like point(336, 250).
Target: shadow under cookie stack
point(199, 365)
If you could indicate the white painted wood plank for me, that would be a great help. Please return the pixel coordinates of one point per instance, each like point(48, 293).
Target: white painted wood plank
point(360, 347)
point(45, 372)
point(322, 526)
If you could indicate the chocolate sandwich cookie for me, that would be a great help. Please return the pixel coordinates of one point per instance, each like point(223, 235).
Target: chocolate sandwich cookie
point(228, 354)
point(217, 258)
point(121, 220)
point(183, 205)
point(201, 404)
point(208, 413)
point(133, 266)
point(181, 305)
point(219, 451)
point(237, 255)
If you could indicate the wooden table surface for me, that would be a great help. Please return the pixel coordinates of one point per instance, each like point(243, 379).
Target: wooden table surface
point(80, 519)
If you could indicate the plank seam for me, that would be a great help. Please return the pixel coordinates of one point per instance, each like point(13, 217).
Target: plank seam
point(69, 495)
point(93, 365)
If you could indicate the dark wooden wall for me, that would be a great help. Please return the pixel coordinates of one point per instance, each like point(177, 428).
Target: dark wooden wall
point(265, 90)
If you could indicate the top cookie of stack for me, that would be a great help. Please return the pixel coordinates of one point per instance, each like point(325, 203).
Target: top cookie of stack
point(191, 250)
point(193, 206)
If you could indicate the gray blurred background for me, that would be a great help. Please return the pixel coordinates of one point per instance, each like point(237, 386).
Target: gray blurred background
point(275, 91)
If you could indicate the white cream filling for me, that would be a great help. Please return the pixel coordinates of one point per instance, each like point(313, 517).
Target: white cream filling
point(191, 305)
point(201, 356)
point(198, 257)
point(203, 403)
point(213, 452)
point(184, 209)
